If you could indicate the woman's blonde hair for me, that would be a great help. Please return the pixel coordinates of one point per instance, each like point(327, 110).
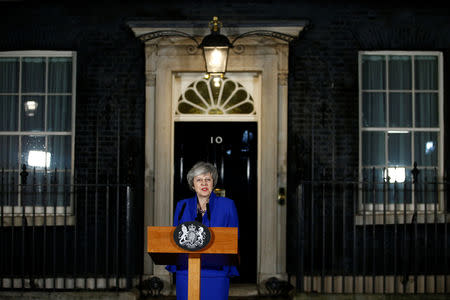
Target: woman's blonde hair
point(201, 168)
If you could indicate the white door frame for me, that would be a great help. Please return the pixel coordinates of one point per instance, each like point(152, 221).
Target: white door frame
point(165, 56)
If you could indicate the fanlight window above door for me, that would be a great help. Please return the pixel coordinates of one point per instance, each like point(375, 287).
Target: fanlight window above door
point(209, 97)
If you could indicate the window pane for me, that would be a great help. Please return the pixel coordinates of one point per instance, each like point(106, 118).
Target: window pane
point(400, 77)
point(400, 110)
point(59, 148)
point(426, 187)
point(60, 75)
point(10, 191)
point(9, 149)
point(399, 149)
point(426, 148)
point(33, 152)
point(9, 75)
point(373, 148)
point(426, 72)
point(373, 72)
point(374, 110)
point(33, 108)
point(32, 192)
point(46, 189)
point(59, 193)
point(8, 107)
point(400, 191)
point(373, 188)
point(59, 113)
point(427, 114)
point(33, 75)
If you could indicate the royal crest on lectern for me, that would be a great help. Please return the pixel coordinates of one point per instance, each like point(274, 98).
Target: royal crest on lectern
point(192, 235)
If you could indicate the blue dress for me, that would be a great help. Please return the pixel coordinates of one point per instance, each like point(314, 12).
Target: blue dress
point(215, 279)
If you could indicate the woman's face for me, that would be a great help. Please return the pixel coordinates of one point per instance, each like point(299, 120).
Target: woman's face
point(203, 185)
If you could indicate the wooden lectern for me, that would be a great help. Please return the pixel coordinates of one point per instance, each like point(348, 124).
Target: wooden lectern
point(162, 248)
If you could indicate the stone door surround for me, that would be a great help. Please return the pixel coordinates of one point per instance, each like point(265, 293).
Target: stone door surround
point(265, 55)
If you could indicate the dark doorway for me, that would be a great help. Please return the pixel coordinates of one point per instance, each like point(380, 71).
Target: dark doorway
point(233, 148)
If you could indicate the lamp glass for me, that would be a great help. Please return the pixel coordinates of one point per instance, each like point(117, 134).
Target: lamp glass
point(216, 59)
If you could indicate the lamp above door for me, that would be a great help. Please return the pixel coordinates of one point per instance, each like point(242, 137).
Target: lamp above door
point(215, 46)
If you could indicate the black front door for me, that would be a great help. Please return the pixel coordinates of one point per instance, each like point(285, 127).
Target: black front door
point(232, 148)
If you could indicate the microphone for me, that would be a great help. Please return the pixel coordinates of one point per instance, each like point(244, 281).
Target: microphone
point(181, 212)
point(208, 212)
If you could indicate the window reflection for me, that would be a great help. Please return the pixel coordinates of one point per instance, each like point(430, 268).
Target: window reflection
point(33, 113)
point(395, 175)
point(30, 107)
point(39, 159)
point(426, 148)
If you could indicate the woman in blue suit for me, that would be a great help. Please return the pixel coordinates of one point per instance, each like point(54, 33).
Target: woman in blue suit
point(212, 211)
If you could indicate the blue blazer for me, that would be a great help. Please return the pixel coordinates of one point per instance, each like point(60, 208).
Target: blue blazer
point(223, 213)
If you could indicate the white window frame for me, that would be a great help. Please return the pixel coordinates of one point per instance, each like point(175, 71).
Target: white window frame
point(399, 208)
point(38, 210)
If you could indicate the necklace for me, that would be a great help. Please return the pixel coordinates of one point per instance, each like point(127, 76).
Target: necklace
point(199, 208)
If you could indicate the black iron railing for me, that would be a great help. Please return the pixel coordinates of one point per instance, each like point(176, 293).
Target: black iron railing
point(366, 237)
point(68, 236)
